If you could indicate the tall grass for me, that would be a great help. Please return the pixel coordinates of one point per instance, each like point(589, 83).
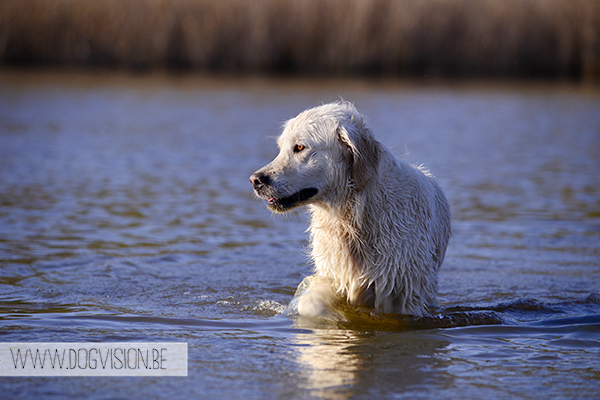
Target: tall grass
point(444, 37)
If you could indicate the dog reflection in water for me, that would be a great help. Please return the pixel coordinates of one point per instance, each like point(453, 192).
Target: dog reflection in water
point(339, 363)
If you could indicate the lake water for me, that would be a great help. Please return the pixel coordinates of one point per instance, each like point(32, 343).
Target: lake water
point(126, 215)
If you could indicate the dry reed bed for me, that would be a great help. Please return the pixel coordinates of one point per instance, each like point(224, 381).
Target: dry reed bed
point(448, 37)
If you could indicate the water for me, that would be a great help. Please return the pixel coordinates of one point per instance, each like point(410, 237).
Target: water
point(126, 215)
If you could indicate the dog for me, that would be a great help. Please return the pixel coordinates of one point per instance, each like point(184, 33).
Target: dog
point(379, 227)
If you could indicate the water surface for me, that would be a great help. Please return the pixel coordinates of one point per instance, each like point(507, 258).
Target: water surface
point(126, 215)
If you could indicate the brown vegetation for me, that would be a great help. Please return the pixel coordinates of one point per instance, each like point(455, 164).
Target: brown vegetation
point(446, 37)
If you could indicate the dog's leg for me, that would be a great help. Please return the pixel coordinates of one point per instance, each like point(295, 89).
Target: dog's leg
point(318, 300)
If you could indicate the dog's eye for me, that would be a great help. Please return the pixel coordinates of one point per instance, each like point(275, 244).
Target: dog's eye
point(298, 148)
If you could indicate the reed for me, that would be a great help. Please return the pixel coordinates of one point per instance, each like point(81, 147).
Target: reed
point(557, 38)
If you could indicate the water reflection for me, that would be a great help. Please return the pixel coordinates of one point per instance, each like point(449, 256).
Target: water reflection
point(340, 364)
point(327, 362)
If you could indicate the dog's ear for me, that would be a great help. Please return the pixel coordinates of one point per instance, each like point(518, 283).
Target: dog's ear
point(364, 150)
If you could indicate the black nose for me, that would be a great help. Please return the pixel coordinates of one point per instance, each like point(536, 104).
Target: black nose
point(259, 180)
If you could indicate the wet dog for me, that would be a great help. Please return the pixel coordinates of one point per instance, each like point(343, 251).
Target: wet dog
point(379, 227)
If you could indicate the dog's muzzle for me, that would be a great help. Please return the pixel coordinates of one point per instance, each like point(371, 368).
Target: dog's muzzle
point(259, 181)
point(264, 189)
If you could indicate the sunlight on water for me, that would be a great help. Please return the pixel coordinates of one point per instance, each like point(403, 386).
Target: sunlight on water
point(126, 214)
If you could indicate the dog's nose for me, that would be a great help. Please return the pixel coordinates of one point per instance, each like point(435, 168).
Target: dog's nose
point(259, 180)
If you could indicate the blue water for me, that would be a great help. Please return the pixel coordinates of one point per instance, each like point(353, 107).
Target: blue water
point(126, 215)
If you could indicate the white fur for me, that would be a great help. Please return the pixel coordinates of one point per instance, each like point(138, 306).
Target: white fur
point(379, 227)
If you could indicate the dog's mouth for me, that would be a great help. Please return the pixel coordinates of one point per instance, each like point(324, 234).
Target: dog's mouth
point(289, 202)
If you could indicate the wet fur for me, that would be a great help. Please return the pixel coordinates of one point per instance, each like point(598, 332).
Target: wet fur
point(379, 227)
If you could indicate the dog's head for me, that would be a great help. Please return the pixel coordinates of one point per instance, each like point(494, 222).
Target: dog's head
point(323, 152)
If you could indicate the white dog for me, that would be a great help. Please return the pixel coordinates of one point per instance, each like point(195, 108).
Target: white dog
point(379, 227)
